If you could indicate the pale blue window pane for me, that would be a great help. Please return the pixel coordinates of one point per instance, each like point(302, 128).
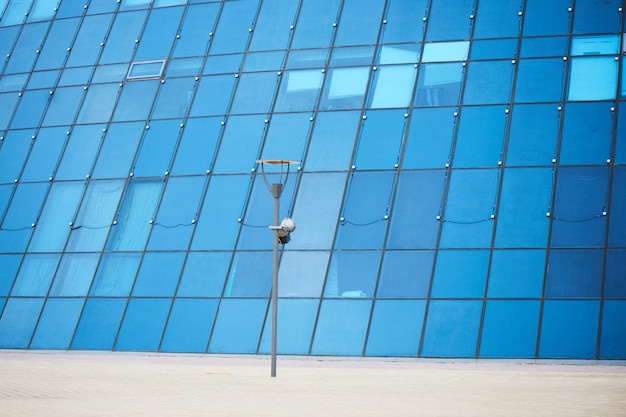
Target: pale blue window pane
point(16, 12)
point(287, 137)
point(414, 221)
point(445, 51)
point(613, 341)
point(14, 82)
point(470, 204)
point(498, 18)
point(341, 327)
point(240, 144)
point(488, 82)
point(22, 214)
point(317, 210)
point(533, 135)
point(116, 274)
point(392, 86)
point(98, 104)
point(592, 78)
point(213, 96)
point(517, 273)
point(525, 198)
point(540, 80)
point(57, 323)
point(165, 3)
point(352, 56)
point(360, 22)
point(540, 47)
point(381, 137)
point(238, 326)
point(218, 226)
point(7, 37)
point(174, 98)
point(232, 33)
point(494, 49)
point(547, 18)
point(255, 93)
point(587, 134)
point(189, 325)
point(159, 34)
point(118, 150)
point(35, 275)
point(30, 40)
point(439, 84)
point(101, 7)
point(197, 147)
point(569, 329)
point(44, 155)
point(157, 149)
point(224, 64)
point(204, 274)
point(194, 33)
point(43, 79)
point(574, 274)
point(143, 325)
point(396, 328)
point(80, 152)
point(95, 217)
point(136, 100)
point(135, 4)
point(184, 66)
point(271, 29)
point(452, 328)
point(8, 102)
point(302, 273)
point(250, 275)
point(308, 58)
point(137, 209)
point(450, 20)
point(510, 329)
point(299, 90)
point(159, 274)
point(64, 106)
point(591, 16)
point(399, 54)
point(74, 275)
point(405, 274)
point(332, 141)
point(481, 136)
point(295, 327)
point(13, 153)
point(76, 76)
point(429, 142)
point(120, 43)
point(9, 265)
point(60, 37)
point(344, 88)
point(595, 45)
point(31, 109)
point(99, 323)
point(460, 274)
point(401, 18)
point(618, 208)
point(53, 224)
point(264, 61)
point(314, 27)
point(18, 322)
point(86, 48)
point(71, 8)
point(352, 274)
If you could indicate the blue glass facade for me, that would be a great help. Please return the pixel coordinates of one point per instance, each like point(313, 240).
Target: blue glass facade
point(461, 190)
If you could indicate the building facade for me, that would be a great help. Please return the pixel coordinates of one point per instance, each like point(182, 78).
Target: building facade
point(461, 190)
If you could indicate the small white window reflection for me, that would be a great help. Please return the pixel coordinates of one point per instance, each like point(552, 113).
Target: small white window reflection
point(445, 51)
point(145, 69)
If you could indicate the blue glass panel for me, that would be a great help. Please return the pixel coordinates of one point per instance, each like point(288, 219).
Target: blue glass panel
point(287, 136)
point(159, 34)
point(488, 82)
point(64, 106)
point(197, 147)
point(118, 150)
point(392, 86)
point(44, 155)
point(86, 48)
point(401, 17)
point(8, 102)
point(35, 275)
point(480, 141)
point(574, 274)
point(533, 135)
point(581, 198)
point(232, 33)
point(213, 96)
point(9, 265)
point(552, 46)
point(57, 323)
point(547, 18)
point(460, 274)
point(296, 319)
point(540, 80)
point(59, 39)
point(6, 192)
point(120, 44)
point(314, 27)
point(524, 201)
point(396, 328)
point(238, 326)
point(255, 93)
point(332, 141)
point(71, 8)
point(591, 16)
point(494, 49)
point(595, 45)
point(250, 275)
point(204, 274)
point(13, 153)
point(15, 82)
point(157, 148)
point(43, 79)
point(405, 274)
point(592, 78)
point(620, 146)
point(516, 273)
point(184, 66)
point(136, 100)
point(569, 329)
point(302, 273)
point(143, 324)
point(74, 276)
point(344, 88)
point(22, 214)
point(381, 139)
point(587, 134)
point(101, 7)
point(31, 108)
point(452, 328)
point(498, 18)
point(615, 284)
point(399, 54)
point(352, 274)
point(341, 327)
point(271, 29)
point(613, 341)
point(299, 90)
point(240, 144)
point(194, 32)
point(8, 36)
point(23, 57)
point(189, 326)
point(360, 22)
point(135, 4)
point(430, 138)
point(98, 104)
point(80, 152)
point(99, 324)
point(174, 98)
point(159, 273)
point(264, 61)
point(177, 214)
point(116, 274)
point(618, 208)
point(18, 321)
point(450, 21)
point(223, 64)
point(439, 84)
point(352, 56)
point(510, 329)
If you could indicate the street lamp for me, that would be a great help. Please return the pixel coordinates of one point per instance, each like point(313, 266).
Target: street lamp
point(282, 232)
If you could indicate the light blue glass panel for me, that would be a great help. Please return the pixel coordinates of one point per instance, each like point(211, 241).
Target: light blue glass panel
point(184, 66)
point(574, 274)
point(238, 326)
point(31, 109)
point(17, 226)
point(352, 56)
point(452, 328)
point(15, 82)
point(223, 64)
point(533, 135)
point(98, 104)
point(232, 33)
point(18, 322)
point(516, 273)
point(524, 201)
point(595, 45)
point(255, 93)
point(380, 141)
point(271, 29)
point(240, 144)
point(450, 21)
point(9, 265)
point(71, 8)
point(57, 323)
point(399, 54)
point(488, 82)
point(481, 135)
point(213, 96)
point(43, 79)
point(299, 90)
point(16, 12)
point(460, 274)
point(341, 327)
point(120, 43)
point(569, 329)
point(587, 134)
point(301, 273)
point(396, 328)
point(64, 106)
point(405, 274)
point(44, 155)
point(13, 153)
point(428, 144)
point(498, 18)
point(189, 325)
point(35, 275)
point(547, 18)
point(439, 84)
point(264, 61)
point(307, 58)
point(197, 147)
point(314, 27)
point(118, 150)
point(136, 100)
point(204, 274)
point(76, 76)
point(99, 324)
point(159, 34)
point(23, 55)
point(198, 23)
point(360, 22)
point(445, 51)
point(74, 276)
point(401, 16)
point(8, 102)
point(287, 137)
point(7, 37)
point(159, 274)
point(352, 274)
point(157, 149)
point(250, 275)
point(174, 98)
point(295, 327)
point(86, 48)
point(59, 39)
point(332, 141)
point(592, 78)
point(101, 7)
point(135, 4)
point(144, 324)
point(613, 340)
point(510, 329)
point(116, 274)
point(591, 16)
point(540, 80)
point(344, 88)
point(392, 86)
point(80, 152)
point(53, 224)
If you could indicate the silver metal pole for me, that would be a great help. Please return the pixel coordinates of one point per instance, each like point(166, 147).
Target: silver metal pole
point(276, 191)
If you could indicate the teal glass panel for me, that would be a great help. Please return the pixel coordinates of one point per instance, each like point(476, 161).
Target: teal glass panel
point(86, 48)
point(381, 137)
point(30, 39)
point(135, 4)
point(35, 275)
point(101, 7)
point(344, 88)
point(341, 327)
point(301, 273)
point(450, 21)
point(198, 23)
point(98, 104)
point(405, 274)
point(533, 135)
point(44, 155)
point(18, 322)
point(429, 142)
point(99, 324)
point(360, 22)
point(213, 96)
point(232, 33)
point(116, 274)
point(569, 329)
point(540, 80)
point(74, 275)
point(63, 108)
point(250, 275)
point(516, 273)
point(460, 274)
point(452, 328)
point(174, 98)
point(120, 44)
point(587, 134)
point(9, 264)
point(196, 150)
point(159, 34)
point(255, 93)
point(401, 17)
point(118, 150)
point(314, 28)
point(204, 274)
point(17, 226)
point(396, 328)
point(157, 148)
point(613, 340)
point(144, 324)
point(498, 18)
point(592, 78)
point(59, 39)
point(57, 323)
point(510, 329)
point(271, 29)
point(547, 18)
point(481, 135)
point(30, 109)
point(574, 274)
point(136, 100)
point(13, 153)
point(80, 152)
point(439, 84)
point(238, 326)
point(332, 141)
point(352, 274)
point(240, 145)
point(299, 90)
point(392, 86)
point(488, 82)
point(295, 327)
point(159, 274)
point(189, 325)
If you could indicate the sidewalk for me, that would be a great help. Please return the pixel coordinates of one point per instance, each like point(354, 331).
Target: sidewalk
point(104, 384)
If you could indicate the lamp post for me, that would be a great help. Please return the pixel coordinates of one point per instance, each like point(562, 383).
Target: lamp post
point(281, 235)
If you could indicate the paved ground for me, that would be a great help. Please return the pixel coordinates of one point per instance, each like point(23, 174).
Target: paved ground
point(87, 384)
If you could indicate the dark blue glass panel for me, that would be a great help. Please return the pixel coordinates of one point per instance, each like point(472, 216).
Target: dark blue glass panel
point(401, 17)
point(498, 18)
point(120, 43)
point(174, 98)
point(240, 145)
point(494, 49)
point(8, 102)
point(86, 47)
point(99, 324)
point(617, 225)
point(271, 29)
point(452, 328)
point(352, 274)
point(540, 80)
point(430, 138)
point(255, 93)
point(360, 22)
point(510, 329)
point(35, 275)
point(116, 274)
point(9, 265)
point(396, 328)
point(213, 96)
point(488, 82)
point(516, 273)
point(587, 134)
point(13, 153)
point(345, 88)
point(18, 322)
point(22, 214)
point(439, 84)
point(250, 275)
point(381, 139)
point(405, 274)
point(460, 274)
point(314, 28)
point(613, 341)
point(302, 273)
point(450, 21)
point(189, 326)
point(143, 325)
point(533, 135)
point(569, 329)
point(194, 32)
point(238, 326)
point(296, 319)
point(136, 100)
point(59, 39)
point(581, 198)
point(547, 18)
point(591, 16)
point(30, 40)
point(159, 274)
point(524, 202)
point(197, 147)
point(204, 274)
point(480, 141)
point(574, 274)
point(414, 220)
point(232, 33)
point(299, 90)
point(44, 156)
point(615, 284)
point(31, 108)
point(551, 46)
point(341, 327)
point(157, 149)
point(332, 141)
point(74, 275)
point(159, 34)
point(118, 150)
point(57, 323)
